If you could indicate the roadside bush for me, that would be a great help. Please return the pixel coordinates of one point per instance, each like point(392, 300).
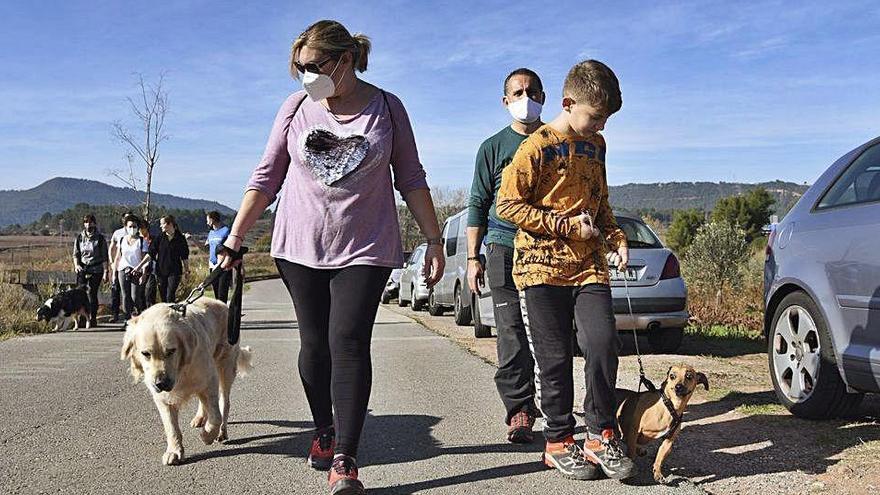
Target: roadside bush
point(18, 308)
point(724, 278)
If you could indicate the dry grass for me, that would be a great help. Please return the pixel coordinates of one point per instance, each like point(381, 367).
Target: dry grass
point(18, 309)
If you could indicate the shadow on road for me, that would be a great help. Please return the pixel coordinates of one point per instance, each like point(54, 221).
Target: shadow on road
point(756, 444)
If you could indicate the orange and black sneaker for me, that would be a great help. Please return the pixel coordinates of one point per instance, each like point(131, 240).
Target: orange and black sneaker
point(343, 477)
point(607, 451)
point(520, 430)
point(569, 459)
point(321, 451)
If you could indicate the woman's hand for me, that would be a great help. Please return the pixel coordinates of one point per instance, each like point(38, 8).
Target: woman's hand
point(435, 262)
point(225, 261)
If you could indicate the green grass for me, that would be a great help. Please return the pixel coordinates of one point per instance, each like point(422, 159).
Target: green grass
point(724, 332)
point(760, 409)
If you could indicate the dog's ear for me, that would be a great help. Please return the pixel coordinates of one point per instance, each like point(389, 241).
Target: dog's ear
point(186, 341)
point(701, 379)
point(668, 370)
point(127, 352)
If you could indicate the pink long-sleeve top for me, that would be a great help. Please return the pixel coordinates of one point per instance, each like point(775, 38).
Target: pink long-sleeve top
point(336, 205)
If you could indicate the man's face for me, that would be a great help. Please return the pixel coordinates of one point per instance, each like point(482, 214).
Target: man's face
point(584, 118)
point(521, 86)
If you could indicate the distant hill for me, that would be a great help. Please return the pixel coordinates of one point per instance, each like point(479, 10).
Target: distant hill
point(670, 196)
point(61, 193)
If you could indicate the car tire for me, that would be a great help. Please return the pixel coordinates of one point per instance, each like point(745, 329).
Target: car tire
point(812, 364)
point(386, 298)
point(434, 309)
point(415, 304)
point(462, 314)
point(400, 300)
point(665, 340)
point(480, 331)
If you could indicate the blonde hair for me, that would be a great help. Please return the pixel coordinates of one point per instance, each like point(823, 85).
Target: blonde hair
point(333, 39)
point(594, 83)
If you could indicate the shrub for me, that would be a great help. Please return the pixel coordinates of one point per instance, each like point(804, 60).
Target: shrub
point(716, 259)
point(685, 224)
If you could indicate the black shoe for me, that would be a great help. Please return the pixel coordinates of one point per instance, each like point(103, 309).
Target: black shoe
point(570, 460)
point(607, 451)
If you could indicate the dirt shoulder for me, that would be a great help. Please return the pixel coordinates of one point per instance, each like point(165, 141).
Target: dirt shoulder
point(736, 438)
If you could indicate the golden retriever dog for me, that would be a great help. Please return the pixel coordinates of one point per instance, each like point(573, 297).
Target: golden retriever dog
point(180, 356)
point(657, 415)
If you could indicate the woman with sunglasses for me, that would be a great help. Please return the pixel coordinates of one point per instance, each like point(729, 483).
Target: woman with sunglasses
point(338, 147)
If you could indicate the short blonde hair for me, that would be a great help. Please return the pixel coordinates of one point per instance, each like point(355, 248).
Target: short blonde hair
point(594, 83)
point(333, 39)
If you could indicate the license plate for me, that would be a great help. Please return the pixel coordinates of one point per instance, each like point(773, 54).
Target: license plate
point(631, 274)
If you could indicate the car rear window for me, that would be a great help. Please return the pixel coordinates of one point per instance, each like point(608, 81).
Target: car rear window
point(638, 235)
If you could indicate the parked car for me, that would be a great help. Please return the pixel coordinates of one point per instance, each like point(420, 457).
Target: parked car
point(413, 289)
point(452, 291)
point(656, 289)
point(822, 291)
point(392, 287)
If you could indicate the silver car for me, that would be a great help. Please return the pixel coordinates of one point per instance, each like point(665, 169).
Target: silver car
point(656, 290)
point(822, 291)
point(413, 289)
point(452, 291)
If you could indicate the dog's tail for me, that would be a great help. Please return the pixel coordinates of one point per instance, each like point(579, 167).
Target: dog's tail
point(244, 364)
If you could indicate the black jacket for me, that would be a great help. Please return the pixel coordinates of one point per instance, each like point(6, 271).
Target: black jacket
point(169, 253)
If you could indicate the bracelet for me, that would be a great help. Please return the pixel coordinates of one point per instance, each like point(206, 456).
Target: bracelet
point(473, 258)
point(235, 235)
point(438, 241)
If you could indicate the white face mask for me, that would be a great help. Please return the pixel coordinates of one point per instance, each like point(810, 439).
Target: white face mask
point(525, 110)
point(132, 231)
point(320, 86)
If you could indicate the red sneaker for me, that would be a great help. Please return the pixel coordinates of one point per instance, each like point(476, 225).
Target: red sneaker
point(343, 477)
point(321, 451)
point(520, 430)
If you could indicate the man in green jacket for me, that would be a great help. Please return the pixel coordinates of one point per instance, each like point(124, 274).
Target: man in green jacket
point(515, 378)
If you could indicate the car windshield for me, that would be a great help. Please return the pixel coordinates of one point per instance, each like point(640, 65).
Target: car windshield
point(638, 235)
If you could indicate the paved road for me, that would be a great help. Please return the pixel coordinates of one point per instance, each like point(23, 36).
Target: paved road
point(72, 421)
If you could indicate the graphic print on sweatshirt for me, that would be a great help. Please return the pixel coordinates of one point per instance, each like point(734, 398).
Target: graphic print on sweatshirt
point(331, 157)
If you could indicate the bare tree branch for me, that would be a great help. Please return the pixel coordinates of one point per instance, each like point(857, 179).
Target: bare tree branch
point(150, 112)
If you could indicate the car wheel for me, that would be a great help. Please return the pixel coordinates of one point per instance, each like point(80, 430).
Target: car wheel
point(462, 314)
point(802, 363)
point(386, 298)
point(415, 304)
point(480, 331)
point(400, 300)
point(434, 309)
point(665, 340)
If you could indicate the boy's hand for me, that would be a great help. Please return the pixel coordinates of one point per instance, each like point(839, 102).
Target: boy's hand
point(587, 229)
point(619, 258)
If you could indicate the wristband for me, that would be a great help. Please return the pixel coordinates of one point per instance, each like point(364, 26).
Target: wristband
point(473, 258)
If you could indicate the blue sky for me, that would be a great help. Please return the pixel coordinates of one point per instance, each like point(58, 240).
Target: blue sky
point(717, 91)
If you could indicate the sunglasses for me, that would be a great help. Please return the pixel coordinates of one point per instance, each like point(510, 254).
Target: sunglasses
point(313, 67)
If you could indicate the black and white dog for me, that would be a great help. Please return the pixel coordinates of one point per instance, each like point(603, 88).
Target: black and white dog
point(65, 306)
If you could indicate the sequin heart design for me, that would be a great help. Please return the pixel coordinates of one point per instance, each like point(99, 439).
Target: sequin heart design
point(330, 157)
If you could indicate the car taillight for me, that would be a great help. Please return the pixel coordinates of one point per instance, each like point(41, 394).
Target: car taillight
point(671, 269)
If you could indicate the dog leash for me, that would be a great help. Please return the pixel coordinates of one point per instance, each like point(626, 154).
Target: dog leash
point(233, 323)
point(643, 379)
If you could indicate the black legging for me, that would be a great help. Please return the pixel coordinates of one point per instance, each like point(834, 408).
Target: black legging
point(168, 287)
point(334, 356)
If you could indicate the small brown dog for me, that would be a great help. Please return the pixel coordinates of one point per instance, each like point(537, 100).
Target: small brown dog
point(653, 415)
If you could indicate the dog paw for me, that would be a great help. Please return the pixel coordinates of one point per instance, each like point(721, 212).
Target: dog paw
point(172, 458)
point(197, 421)
point(209, 434)
point(659, 478)
point(222, 437)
